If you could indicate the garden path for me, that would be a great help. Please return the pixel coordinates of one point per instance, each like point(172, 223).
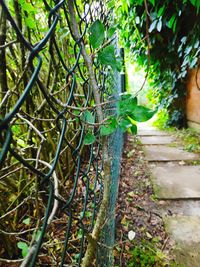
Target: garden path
point(176, 183)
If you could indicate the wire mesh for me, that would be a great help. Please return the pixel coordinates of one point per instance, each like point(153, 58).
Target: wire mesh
point(50, 182)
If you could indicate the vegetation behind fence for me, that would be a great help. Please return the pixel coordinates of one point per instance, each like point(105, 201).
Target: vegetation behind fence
point(51, 154)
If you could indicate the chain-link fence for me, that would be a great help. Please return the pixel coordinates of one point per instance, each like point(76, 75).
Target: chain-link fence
point(50, 181)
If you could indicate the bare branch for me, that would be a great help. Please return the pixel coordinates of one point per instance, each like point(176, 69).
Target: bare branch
point(8, 44)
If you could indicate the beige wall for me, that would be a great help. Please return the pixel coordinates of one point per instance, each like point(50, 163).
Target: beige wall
point(193, 98)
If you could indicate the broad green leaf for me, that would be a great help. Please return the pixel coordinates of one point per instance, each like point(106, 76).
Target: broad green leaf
point(88, 117)
point(125, 4)
point(174, 26)
point(110, 32)
point(152, 2)
point(30, 22)
point(142, 114)
point(24, 247)
point(27, 221)
point(161, 11)
point(133, 129)
point(124, 124)
point(28, 7)
point(16, 129)
point(97, 34)
point(111, 4)
point(127, 105)
point(127, 96)
point(171, 21)
point(109, 127)
point(89, 139)
point(196, 3)
point(37, 235)
point(107, 57)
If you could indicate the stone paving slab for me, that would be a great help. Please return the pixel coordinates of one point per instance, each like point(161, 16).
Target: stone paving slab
point(177, 182)
point(156, 140)
point(165, 153)
point(152, 132)
point(178, 187)
point(185, 231)
point(187, 207)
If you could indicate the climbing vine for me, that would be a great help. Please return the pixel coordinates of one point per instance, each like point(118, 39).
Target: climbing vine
point(163, 37)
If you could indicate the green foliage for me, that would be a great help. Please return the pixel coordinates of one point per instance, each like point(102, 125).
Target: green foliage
point(174, 32)
point(88, 117)
point(37, 235)
point(24, 248)
point(27, 221)
point(142, 114)
point(97, 34)
point(145, 255)
point(107, 57)
point(109, 127)
point(161, 119)
point(189, 139)
point(89, 139)
point(129, 112)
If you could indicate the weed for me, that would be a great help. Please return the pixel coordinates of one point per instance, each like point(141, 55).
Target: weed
point(145, 255)
point(190, 139)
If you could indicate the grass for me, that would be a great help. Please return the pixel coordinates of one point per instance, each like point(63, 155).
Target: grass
point(189, 139)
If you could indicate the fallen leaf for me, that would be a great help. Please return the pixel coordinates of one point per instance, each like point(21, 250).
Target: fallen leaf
point(131, 235)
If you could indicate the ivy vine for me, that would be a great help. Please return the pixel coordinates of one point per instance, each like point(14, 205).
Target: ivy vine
point(167, 31)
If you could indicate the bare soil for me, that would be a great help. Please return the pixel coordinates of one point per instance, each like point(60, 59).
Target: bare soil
point(138, 211)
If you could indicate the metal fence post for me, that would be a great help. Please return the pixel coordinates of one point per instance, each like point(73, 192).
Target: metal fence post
point(105, 251)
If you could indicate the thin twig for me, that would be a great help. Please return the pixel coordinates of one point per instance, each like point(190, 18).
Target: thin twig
point(17, 233)
point(32, 126)
point(9, 212)
point(8, 44)
point(9, 173)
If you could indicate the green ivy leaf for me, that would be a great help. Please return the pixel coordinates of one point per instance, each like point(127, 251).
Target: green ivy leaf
point(89, 139)
point(107, 57)
point(27, 221)
point(133, 129)
point(124, 124)
point(161, 11)
point(88, 117)
point(37, 235)
point(171, 21)
point(125, 5)
point(127, 105)
point(109, 127)
point(30, 23)
point(97, 34)
point(152, 2)
point(110, 32)
point(142, 114)
point(196, 3)
point(24, 247)
point(111, 4)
